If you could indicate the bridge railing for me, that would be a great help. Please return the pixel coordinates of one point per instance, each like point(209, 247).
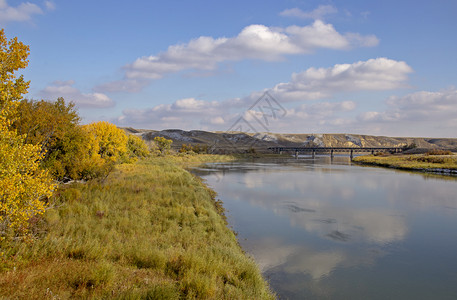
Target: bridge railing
point(351, 150)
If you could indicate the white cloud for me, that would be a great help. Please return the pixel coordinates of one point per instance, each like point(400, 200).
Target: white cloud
point(373, 74)
point(50, 5)
point(420, 113)
point(420, 106)
point(189, 113)
point(127, 85)
point(22, 12)
point(253, 42)
point(316, 14)
point(66, 90)
point(312, 84)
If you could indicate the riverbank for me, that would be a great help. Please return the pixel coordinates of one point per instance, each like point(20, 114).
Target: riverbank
point(149, 230)
point(428, 162)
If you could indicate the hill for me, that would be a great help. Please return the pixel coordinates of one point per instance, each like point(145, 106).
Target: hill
point(229, 142)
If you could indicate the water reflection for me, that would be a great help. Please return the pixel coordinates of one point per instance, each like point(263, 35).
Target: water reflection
point(317, 228)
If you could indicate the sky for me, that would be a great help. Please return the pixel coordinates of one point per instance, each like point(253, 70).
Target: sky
point(356, 67)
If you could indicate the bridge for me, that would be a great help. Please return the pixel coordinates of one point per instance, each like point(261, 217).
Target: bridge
point(331, 150)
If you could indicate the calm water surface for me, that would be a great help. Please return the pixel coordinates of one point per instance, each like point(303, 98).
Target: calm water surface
point(325, 229)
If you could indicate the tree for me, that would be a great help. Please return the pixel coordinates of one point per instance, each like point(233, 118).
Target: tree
point(54, 126)
point(108, 141)
point(136, 147)
point(163, 144)
point(24, 186)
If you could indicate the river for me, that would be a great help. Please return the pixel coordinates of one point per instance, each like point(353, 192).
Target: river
point(326, 229)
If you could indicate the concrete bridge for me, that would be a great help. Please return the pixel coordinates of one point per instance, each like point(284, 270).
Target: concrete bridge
point(332, 150)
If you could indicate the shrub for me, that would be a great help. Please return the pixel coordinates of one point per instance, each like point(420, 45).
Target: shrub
point(439, 152)
point(163, 144)
point(137, 148)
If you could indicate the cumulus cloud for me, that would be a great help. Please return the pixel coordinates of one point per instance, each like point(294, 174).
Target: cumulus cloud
point(419, 113)
point(188, 113)
point(253, 42)
point(127, 85)
point(66, 90)
point(373, 74)
point(316, 14)
point(50, 5)
point(417, 107)
point(20, 13)
point(312, 84)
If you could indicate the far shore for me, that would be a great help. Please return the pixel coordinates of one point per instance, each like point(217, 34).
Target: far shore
point(443, 163)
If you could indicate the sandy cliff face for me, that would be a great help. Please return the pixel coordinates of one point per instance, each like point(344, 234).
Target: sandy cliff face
point(223, 140)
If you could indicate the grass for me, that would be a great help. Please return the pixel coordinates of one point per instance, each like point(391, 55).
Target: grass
point(431, 162)
point(150, 230)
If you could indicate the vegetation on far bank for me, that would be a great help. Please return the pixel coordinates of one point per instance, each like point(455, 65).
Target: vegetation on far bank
point(433, 161)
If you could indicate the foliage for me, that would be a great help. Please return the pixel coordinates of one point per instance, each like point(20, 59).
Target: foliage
point(149, 230)
point(198, 149)
point(411, 162)
point(439, 152)
point(23, 185)
point(186, 148)
point(163, 144)
point(108, 141)
point(55, 127)
point(137, 147)
point(428, 158)
point(410, 146)
point(13, 56)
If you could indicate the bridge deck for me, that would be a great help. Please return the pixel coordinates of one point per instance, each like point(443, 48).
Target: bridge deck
point(351, 150)
point(347, 149)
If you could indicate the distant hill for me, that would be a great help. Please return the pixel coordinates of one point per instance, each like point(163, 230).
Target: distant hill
point(228, 142)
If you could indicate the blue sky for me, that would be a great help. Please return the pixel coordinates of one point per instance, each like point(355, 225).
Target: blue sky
point(365, 67)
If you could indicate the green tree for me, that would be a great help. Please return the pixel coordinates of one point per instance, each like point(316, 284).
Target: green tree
point(54, 126)
point(24, 186)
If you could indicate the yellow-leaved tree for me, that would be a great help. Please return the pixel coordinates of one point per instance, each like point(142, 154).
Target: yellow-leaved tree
point(24, 186)
point(106, 146)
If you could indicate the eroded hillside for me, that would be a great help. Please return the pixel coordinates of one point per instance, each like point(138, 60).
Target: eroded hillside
point(226, 142)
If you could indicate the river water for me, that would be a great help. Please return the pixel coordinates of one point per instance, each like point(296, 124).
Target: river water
point(326, 229)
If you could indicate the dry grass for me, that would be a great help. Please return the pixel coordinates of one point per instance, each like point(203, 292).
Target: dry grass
point(428, 161)
point(148, 231)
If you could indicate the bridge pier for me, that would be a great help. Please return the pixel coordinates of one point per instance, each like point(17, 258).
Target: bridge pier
point(314, 153)
point(296, 154)
point(331, 153)
point(372, 152)
point(352, 154)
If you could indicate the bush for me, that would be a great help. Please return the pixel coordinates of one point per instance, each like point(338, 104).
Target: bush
point(439, 152)
point(163, 144)
point(108, 142)
point(199, 149)
point(137, 147)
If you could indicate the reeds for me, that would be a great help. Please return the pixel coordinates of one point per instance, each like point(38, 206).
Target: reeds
point(149, 230)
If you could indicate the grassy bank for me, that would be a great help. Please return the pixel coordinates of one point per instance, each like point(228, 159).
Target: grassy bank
point(149, 230)
point(445, 164)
